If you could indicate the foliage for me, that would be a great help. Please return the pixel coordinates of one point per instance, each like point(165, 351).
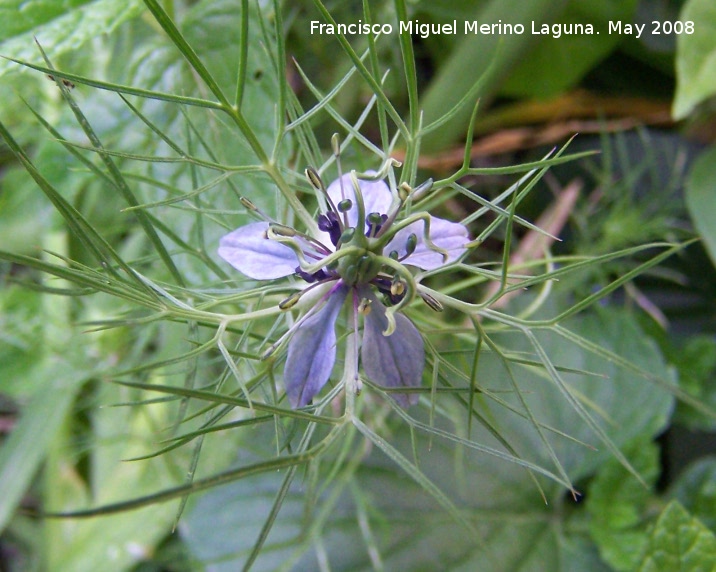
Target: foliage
point(144, 377)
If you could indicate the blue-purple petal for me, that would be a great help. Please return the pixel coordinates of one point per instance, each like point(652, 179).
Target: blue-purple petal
point(451, 236)
point(377, 197)
point(249, 251)
point(396, 360)
point(312, 352)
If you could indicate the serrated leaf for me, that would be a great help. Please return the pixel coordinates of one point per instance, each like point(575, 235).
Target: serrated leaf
point(679, 541)
point(58, 26)
point(696, 361)
point(701, 198)
point(695, 488)
point(617, 502)
point(695, 58)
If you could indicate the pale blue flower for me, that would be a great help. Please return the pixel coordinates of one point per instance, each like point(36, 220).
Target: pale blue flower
point(353, 265)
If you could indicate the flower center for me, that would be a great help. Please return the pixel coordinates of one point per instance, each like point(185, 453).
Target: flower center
point(360, 269)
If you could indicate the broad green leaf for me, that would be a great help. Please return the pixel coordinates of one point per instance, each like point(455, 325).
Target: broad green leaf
point(57, 385)
point(624, 406)
point(679, 541)
point(59, 26)
point(20, 327)
point(617, 503)
point(563, 58)
point(118, 433)
point(695, 58)
point(696, 361)
point(472, 57)
point(701, 199)
point(695, 488)
point(377, 512)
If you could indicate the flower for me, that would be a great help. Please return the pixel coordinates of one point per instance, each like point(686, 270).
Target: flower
point(361, 247)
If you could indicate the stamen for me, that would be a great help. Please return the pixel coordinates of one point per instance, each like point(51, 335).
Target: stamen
point(315, 179)
point(331, 224)
point(422, 189)
point(364, 307)
point(397, 287)
point(282, 230)
point(430, 301)
point(345, 205)
point(291, 301)
point(317, 183)
point(404, 191)
point(297, 324)
point(311, 278)
point(336, 148)
point(248, 204)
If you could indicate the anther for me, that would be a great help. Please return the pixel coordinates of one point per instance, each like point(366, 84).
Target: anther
point(248, 204)
point(422, 189)
point(364, 307)
point(397, 287)
point(430, 301)
point(291, 301)
point(311, 278)
point(315, 179)
point(404, 191)
point(336, 144)
point(345, 205)
point(281, 230)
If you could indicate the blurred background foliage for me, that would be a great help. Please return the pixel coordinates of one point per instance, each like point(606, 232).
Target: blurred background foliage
point(647, 105)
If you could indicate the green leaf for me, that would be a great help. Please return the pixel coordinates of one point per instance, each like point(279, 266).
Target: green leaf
point(696, 361)
point(59, 26)
point(695, 58)
point(374, 512)
point(695, 488)
point(20, 456)
point(122, 539)
point(563, 60)
point(617, 503)
point(477, 52)
point(701, 199)
point(679, 541)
